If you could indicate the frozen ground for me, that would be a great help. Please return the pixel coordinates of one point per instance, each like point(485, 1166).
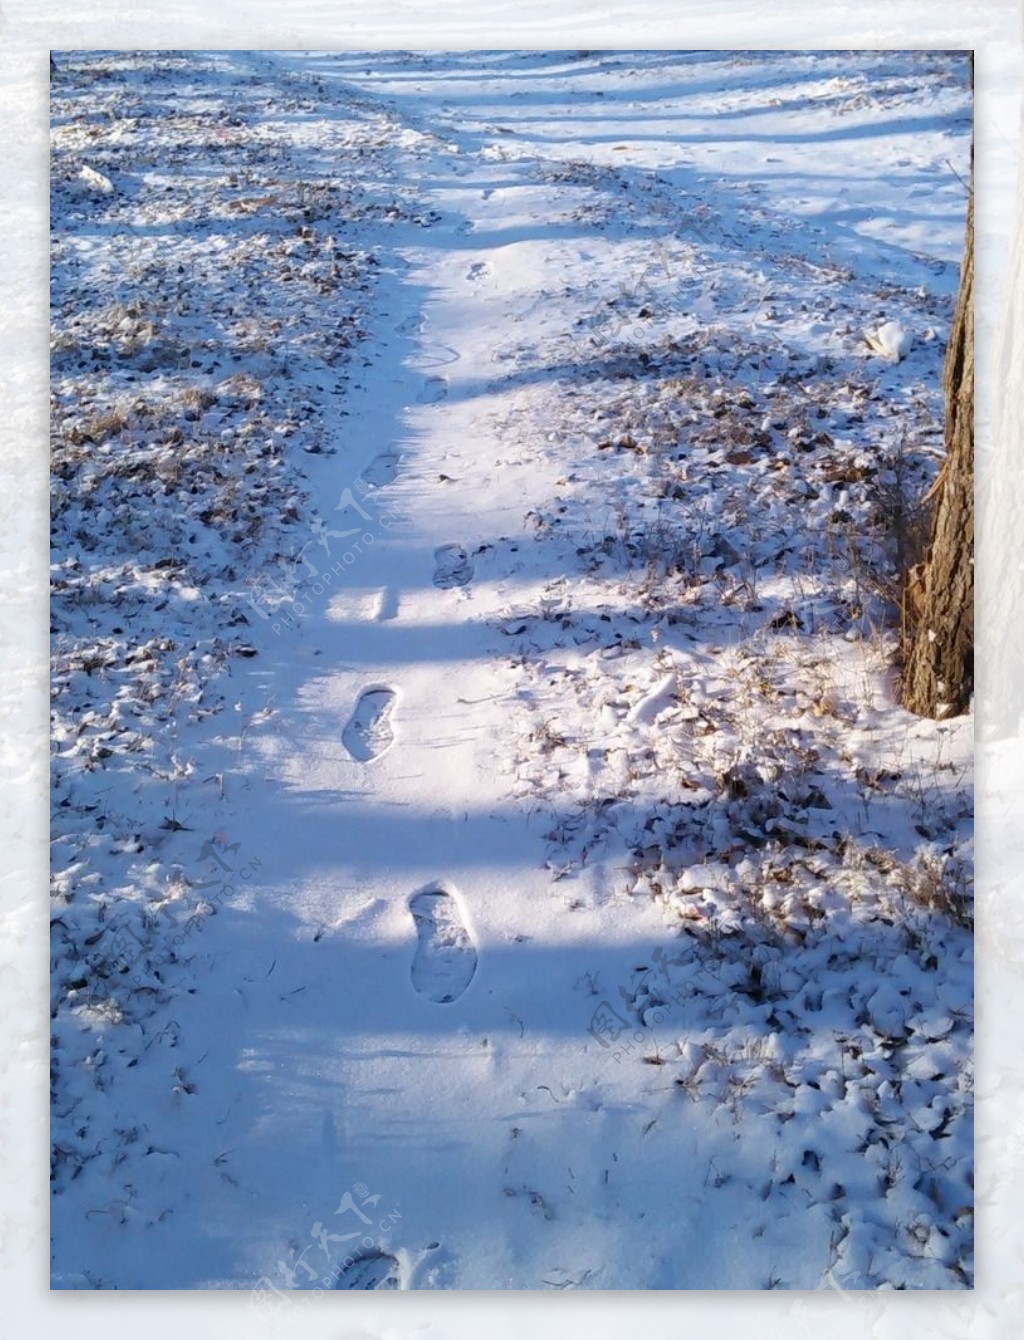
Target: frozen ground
point(485, 843)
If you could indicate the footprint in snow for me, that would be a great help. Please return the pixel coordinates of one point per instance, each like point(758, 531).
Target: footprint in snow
point(452, 566)
point(369, 732)
point(381, 470)
point(445, 958)
point(433, 390)
point(371, 1270)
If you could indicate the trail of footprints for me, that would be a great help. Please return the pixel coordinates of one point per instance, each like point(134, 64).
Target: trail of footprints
point(445, 959)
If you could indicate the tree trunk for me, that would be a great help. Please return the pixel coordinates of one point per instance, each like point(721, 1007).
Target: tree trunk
point(938, 604)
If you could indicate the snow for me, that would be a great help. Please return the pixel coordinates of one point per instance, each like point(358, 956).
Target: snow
point(487, 851)
point(890, 340)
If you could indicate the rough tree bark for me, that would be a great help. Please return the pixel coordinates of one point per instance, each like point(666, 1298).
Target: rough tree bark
point(938, 604)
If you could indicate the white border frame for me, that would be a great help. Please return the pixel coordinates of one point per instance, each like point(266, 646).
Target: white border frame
point(27, 29)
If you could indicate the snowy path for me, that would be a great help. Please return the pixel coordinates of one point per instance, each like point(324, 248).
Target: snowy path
point(468, 1090)
point(578, 933)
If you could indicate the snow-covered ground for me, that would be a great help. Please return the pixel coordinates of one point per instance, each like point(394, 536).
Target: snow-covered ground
point(487, 853)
